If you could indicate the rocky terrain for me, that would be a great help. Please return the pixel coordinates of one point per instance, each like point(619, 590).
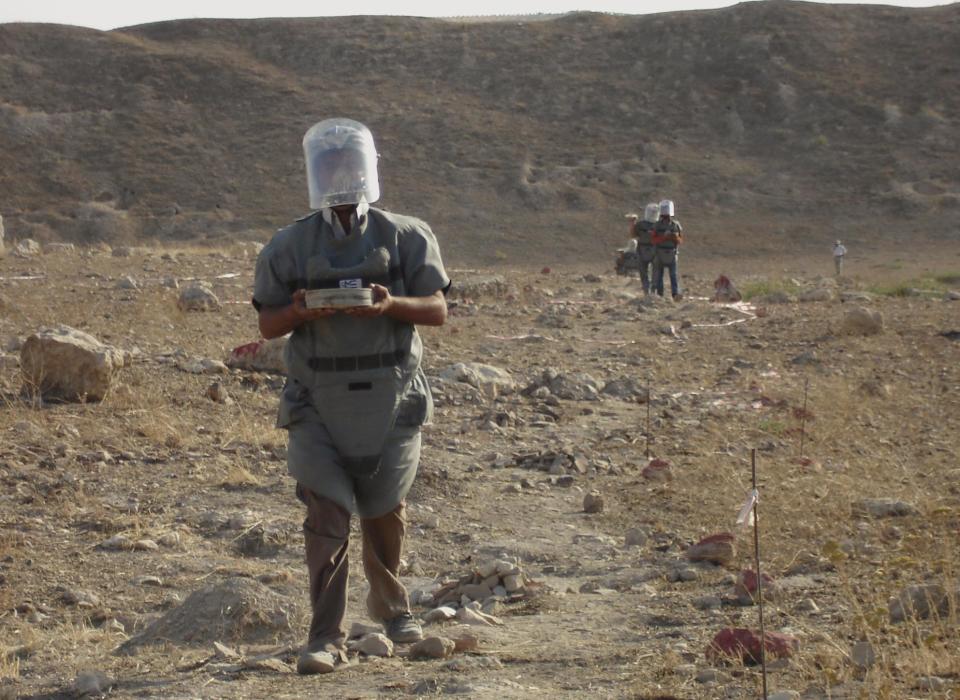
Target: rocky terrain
point(573, 529)
point(774, 125)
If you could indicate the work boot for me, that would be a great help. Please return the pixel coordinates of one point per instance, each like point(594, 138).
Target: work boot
point(403, 628)
point(319, 657)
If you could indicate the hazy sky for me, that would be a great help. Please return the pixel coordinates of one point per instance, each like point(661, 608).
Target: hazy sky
point(101, 14)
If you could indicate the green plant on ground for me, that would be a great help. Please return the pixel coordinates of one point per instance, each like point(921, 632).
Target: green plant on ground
point(763, 287)
point(939, 282)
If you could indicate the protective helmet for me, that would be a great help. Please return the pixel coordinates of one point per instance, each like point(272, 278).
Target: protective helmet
point(838, 242)
point(341, 163)
point(650, 212)
point(666, 207)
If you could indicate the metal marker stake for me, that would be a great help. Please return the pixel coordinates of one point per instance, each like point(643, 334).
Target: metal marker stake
point(803, 415)
point(756, 551)
point(648, 417)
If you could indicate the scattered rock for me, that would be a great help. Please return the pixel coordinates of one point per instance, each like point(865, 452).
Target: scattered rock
point(862, 655)
point(708, 602)
point(952, 295)
point(592, 503)
point(217, 394)
point(68, 364)
point(127, 282)
point(716, 549)
point(26, 248)
point(198, 298)
point(657, 470)
point(375, 644)
point(493, 381)
point(920, 602)
point(432, 648)
point(92, 684)
point(819, 294)
point(466, 642)
point(261, 356)
point(635, 537)
point(884, 508)
point(747, 590)
point(934, 684)
point(117, 543)
point(201, 365)
point(862, 321)
point(441, 614)
point(742, 644)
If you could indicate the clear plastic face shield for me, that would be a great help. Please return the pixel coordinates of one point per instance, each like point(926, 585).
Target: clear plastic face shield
point(650, 213)
point(666, 208)
point(341, 164)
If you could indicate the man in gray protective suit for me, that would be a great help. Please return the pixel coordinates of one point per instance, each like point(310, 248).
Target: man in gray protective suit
point(355, 396)
point(643, 231)
point(667, 237)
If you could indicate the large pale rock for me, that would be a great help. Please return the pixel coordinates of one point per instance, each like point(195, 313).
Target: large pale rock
point(69, 364)
point(862, 321)
point(484, 377)
point(27, 248)
point(375, 644)
point(261, 356)
point(432, 648)
point(475, 286)
point(198, 298)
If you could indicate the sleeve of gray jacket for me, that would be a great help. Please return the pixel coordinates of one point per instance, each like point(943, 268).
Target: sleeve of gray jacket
point(271, 283)
point(423, 271)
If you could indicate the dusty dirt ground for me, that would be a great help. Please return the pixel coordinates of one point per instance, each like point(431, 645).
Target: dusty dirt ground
point(159, 460)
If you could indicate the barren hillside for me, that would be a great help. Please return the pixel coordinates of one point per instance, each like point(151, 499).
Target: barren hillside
point(775, 126)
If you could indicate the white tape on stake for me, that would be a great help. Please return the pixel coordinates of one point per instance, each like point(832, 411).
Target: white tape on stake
point(745, 518)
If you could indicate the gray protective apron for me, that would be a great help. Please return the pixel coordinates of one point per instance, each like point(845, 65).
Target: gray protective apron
point(666, 250)
point(368, 365)
point(645, 248)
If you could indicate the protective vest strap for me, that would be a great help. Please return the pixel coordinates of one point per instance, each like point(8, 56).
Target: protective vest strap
point(356, 364)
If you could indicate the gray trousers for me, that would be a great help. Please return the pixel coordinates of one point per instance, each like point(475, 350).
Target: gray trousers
point(326, 532)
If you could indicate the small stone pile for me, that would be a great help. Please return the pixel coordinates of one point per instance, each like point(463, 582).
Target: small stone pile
point(473, 598)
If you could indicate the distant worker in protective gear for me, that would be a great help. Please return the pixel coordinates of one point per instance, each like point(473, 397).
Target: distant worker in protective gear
point(839, 250)
point(355, 397)
point(667, 238)
point(642, 231)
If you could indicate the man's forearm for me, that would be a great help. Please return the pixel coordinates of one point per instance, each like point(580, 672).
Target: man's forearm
point(276, 321)
point(423, 311)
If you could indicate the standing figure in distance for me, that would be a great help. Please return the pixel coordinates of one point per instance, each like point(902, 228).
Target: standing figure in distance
point(839, 250)
point(355, 397)
point(667, 237)
point(643, 232)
